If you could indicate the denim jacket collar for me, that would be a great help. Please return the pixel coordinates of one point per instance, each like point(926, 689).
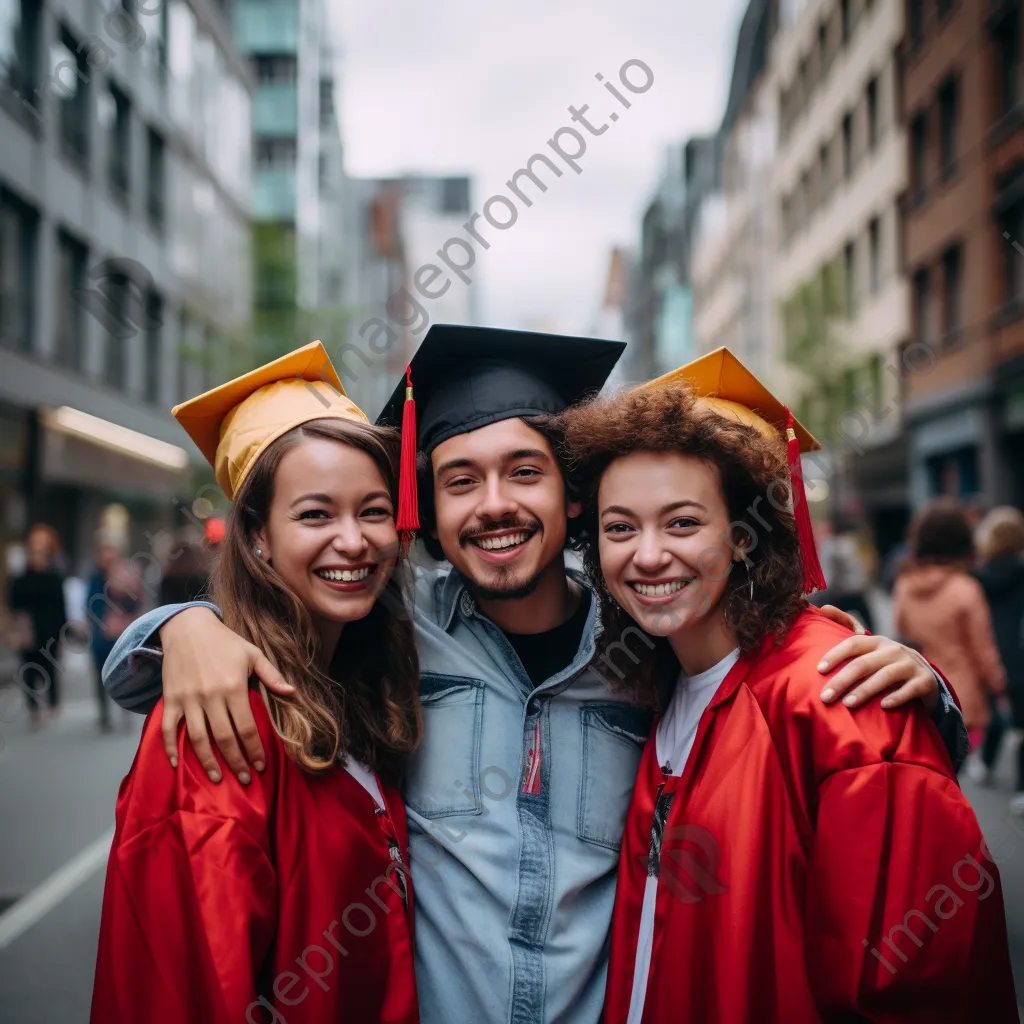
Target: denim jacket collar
point(452, 595)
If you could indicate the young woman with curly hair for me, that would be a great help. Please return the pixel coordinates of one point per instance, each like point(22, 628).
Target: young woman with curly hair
point(283, 896)
point(783, 861)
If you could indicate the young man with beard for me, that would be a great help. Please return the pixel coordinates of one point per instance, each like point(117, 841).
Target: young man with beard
point(516, 799)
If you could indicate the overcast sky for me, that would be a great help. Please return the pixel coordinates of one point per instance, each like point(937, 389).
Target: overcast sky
point(464, 86)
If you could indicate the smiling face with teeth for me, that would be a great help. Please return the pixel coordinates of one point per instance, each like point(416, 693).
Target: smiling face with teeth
point(330, 531)
point(664, 547)
point(501, 508)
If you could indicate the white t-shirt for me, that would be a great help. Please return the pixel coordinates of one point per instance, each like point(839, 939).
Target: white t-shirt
point(674, 740)
point(365, 778)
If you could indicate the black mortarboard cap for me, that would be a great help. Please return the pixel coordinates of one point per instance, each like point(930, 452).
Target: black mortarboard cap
point(466, 377)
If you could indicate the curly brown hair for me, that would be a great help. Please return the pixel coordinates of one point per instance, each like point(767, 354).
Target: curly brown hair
point(755, 482)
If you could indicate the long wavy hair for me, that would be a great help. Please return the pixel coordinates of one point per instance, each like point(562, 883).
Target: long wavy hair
point(366, 705)
point(755, 482)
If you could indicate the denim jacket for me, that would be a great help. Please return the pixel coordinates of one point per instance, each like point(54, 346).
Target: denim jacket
point(516, 804)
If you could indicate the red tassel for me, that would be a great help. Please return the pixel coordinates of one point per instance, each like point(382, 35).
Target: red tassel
point(814, 578)
point(408, 501)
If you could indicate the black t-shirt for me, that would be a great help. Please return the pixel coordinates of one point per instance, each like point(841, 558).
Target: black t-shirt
point(545, 654)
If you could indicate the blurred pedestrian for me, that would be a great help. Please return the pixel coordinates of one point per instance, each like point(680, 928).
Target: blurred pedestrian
point(848, 560)
point(187, 572)
point(940, 608)
point(37, 597)
point(113, 602)
point(1000, 543)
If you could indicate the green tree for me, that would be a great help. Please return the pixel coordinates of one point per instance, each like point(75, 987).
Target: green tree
point(278, 324)
point(816, 343)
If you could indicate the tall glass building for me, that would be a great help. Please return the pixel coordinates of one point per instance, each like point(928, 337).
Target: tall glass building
point(125, 251)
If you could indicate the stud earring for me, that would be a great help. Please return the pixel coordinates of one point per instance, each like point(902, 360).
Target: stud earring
point(259, 551)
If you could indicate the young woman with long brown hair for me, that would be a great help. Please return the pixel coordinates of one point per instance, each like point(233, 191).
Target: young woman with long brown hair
point(284, 897)
point(783, 862)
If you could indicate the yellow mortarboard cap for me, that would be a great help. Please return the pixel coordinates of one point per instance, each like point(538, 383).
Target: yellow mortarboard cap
point(726, 387)
point(233, 424)
point(730, 389)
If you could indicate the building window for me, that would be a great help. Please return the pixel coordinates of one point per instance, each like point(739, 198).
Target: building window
point(806, 199)
point(275, 68)
point(154, 319)
point(1007, 42)
point(70, 71)
point(875, 255)
point(115, 117)
point(118, 292)
point(876, 382)
point(915, 23)
point(949, 115)
point(275, 153)
point(922, 307)
point(803, 86)
point(823, 54)
point(954, 474)
point(18, 224)
point(19, 41)
point(850, 278)
point(919, 157)
point(848, 146)
point(1013, 236)
point(155, 178)
point(823, 176)
point(70, 324)
point(952, 293)
point(455, 195)
point(326, 102)
point(871, 98)
point(844, 20)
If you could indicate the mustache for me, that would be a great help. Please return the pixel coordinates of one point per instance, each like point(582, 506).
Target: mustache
point(508, 523)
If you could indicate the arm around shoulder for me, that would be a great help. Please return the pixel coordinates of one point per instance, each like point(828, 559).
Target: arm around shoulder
point(132, 673)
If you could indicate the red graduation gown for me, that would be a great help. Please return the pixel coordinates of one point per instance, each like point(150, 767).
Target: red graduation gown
point(817, 864)
point(276, 902)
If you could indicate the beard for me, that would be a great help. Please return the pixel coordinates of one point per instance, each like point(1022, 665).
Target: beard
point(505, 588)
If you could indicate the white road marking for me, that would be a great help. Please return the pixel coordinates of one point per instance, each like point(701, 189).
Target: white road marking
point(44, 897)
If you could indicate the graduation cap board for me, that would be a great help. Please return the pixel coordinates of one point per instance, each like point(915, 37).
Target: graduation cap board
point(233, 424)
point(467, 377)
point(727, 388)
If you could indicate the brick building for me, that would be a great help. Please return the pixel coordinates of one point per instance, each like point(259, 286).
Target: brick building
point(963, 249)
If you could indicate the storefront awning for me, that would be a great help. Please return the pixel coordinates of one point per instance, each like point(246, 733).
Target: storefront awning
point(87, 451)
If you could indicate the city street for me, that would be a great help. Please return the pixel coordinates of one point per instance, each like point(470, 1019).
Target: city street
point(59, 788)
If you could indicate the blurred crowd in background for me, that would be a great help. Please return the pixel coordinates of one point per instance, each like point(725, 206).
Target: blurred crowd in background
point(52, 611)
point(953, 589)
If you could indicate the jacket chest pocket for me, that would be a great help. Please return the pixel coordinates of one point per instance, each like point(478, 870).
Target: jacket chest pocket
point(443, 779)
point(613, 741)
